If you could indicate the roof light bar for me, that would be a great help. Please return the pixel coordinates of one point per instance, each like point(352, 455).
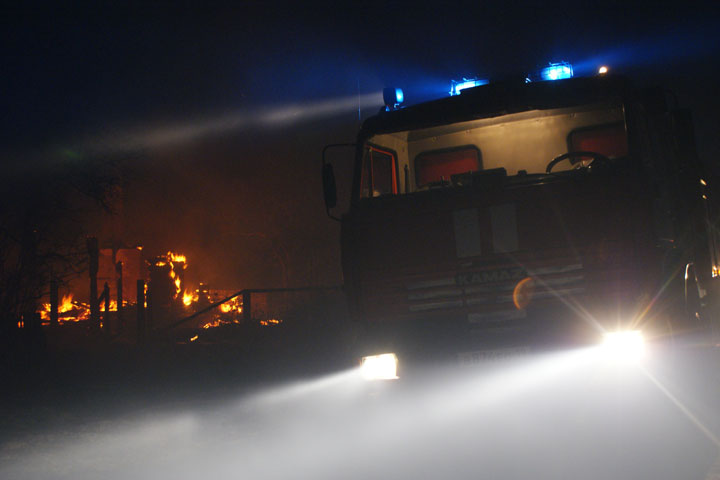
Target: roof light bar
point(457, 86)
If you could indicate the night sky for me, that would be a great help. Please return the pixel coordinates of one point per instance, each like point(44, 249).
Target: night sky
point(215, 116)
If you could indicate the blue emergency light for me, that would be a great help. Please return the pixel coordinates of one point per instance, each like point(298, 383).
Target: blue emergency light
point(456, 86)
point(393, 97)
point(556, 71)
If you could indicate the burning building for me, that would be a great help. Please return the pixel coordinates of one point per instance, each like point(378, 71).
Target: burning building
point(168, 299)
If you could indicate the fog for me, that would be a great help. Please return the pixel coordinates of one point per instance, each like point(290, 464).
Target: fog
point(565, 415)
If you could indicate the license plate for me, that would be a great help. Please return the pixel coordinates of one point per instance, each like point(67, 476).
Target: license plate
point(489, 356)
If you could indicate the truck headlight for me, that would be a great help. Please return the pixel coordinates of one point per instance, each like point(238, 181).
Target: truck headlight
point(627, 345)
point(379, 367)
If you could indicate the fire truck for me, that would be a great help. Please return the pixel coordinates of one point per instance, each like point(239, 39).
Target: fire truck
point(533, 213)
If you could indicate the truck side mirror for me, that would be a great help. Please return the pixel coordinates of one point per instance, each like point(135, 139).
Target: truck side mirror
point(328, 179)
point(329, 187)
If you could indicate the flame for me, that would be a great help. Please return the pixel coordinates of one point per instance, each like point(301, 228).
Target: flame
point(176, 257)
point(68, 311)
point(270, 321)
point(114, 305)
point(175, 260)
point(232, 305)
point(220, 321)
point(66, 304)
point(189, 298)
point(171, 257)
point(230, 313)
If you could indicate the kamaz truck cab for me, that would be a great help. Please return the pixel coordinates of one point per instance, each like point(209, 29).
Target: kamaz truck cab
point(521, 215)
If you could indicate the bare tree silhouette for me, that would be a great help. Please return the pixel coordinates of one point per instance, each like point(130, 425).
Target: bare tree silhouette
point(45, 210)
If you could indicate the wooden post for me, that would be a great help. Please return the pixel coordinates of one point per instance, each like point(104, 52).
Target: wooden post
point(106, 318)
point(118, 270)
point(247, 308)
point(54, 302)
point(141, 312)
point(93, 253)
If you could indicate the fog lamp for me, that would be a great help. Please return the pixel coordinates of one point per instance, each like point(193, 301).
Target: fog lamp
point(379, 367)
point(626, 345)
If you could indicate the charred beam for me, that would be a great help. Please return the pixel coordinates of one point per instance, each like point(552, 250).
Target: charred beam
point(93, 253)
point(141, 312)
point(243, 293)
point(106, 318)
point(119, 289)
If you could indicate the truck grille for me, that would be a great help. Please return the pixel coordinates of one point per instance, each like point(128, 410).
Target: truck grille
point(493, 291)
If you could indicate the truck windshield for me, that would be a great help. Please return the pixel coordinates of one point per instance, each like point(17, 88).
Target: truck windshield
point(522, 143)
